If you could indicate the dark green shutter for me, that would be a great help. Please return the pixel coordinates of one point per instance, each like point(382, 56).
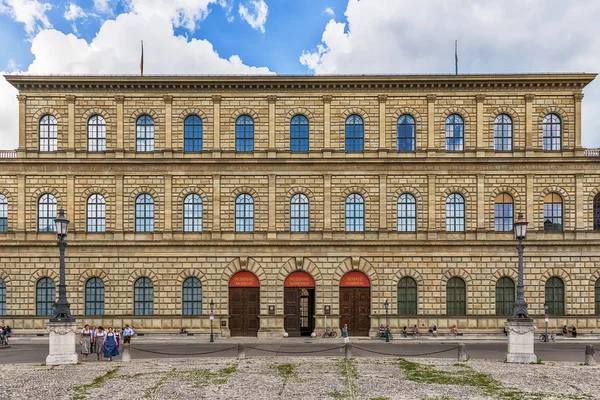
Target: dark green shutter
point(555, 296)
point(407, 296)
point(505, 296)
point(456, 297)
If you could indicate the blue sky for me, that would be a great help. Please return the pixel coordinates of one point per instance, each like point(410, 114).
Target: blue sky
point(298, 37)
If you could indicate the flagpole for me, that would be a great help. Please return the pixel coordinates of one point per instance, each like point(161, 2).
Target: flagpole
point(456, 57)
point(142, 60)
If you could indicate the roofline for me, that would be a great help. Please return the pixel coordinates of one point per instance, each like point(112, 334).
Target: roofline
point(575, 80)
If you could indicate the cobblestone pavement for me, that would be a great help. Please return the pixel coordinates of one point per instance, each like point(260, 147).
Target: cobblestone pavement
point(300, 378)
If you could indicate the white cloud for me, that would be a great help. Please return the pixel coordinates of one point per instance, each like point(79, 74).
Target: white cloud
point(116, 50)
point(73, 12)
point(102, 6)
point(329, 11)
point(186, 13)
point(9, 112)
point(31, 13)
point(416, 36)
point(255, 13)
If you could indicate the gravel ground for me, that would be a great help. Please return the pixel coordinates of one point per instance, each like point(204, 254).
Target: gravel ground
point(301, 378)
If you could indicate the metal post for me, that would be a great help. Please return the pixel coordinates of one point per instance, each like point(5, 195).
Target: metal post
point(590, 352)
point(462, 352)
point(546, 318)
point(212, 317)
point(62, 308)
point(520, 303)
point(387, 324)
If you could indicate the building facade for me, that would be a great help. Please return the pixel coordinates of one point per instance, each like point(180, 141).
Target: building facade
point(291, 202)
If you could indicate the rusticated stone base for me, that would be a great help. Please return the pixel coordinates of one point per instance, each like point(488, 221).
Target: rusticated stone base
point(520, 341)
point(62, 343)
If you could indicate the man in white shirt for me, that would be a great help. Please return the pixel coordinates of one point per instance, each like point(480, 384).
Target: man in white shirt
point(127, 334)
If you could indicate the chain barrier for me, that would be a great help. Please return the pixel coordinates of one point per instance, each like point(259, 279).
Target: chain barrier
point(295, 352)
point(184, 354)
point(403, 355)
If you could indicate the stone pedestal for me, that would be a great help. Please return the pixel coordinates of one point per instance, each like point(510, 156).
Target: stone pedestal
point(520, 341)
point(62, 343)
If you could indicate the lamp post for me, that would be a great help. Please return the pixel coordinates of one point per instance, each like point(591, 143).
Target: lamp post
point(62, 308)
point(387, 325)
point(520, 234)
point(546, 318)
point(212, 317)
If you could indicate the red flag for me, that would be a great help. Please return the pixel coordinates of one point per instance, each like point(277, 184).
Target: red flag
point(142, 60)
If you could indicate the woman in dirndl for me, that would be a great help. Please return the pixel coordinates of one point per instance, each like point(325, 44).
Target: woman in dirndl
point(110, 345)
point(86, 341)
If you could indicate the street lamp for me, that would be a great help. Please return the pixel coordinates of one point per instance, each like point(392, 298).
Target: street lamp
point(387, 325)
point(546, 318)
point(212, 317)
point(520, 234)
point(62, 308)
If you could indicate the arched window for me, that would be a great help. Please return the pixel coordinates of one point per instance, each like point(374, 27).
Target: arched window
point(3, 213)
point(555, 296)
point(244, 134)
point(355, 213)
point(244, 213)
point(143, 297)
point(96, 133)
point(597, 297)
point(503, 213)
point(455, 133)
point(299, 134)
point(456, 297)
point(455, 213)
point(46, 213)
point(192, 213)
point(505, 296)
point(551, 127)
point(406, 133)
point(96, 213)
point(407, 213)
point(503, 131)
point(45, 297)
point(299, 214)
point(145, 133)
point(48, 133)
point(597, 212)
point(355, 134)
point(192, 296)
point(144, 213)
point(94, 296)
point(2, 297)
point(407, 296)
point(192, 134)
point(553, 213)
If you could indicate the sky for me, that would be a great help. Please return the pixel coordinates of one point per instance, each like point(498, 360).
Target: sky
point(298, 37)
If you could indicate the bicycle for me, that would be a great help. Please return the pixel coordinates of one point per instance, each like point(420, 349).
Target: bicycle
point(329, 333)
point(543, 338)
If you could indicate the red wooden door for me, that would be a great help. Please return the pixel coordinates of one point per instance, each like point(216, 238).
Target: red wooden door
point(244, 308)
point(355, 308)
point(291, 311)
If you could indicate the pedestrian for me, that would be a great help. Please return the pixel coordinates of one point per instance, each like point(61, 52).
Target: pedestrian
point(93, 339)
point(433, 330)
point(117, 337)
point(100, 337)
point(85, 340)
point(454, 330)
point(345, 334)
point(574, 332)
point(127, 334)
point(111, 348)
point(404, 331)
point(565, 331)
point(415, 331)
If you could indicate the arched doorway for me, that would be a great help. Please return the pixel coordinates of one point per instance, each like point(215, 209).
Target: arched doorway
point(244, 304)
point(299, 304)
point(355, 303)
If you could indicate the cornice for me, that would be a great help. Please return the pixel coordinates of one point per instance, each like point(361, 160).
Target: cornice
point(220, 83)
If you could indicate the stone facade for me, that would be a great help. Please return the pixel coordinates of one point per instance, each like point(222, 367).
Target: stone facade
point(326, 174)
